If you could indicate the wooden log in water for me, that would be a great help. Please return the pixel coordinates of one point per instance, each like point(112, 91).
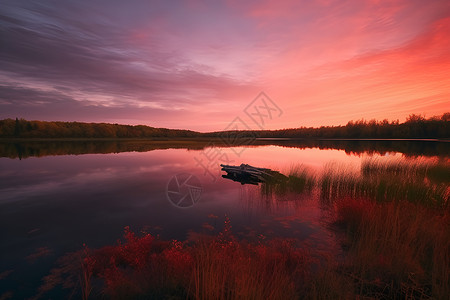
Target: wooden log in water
point(245, 172)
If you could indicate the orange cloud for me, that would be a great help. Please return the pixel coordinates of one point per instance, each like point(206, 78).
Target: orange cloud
point(390, 83)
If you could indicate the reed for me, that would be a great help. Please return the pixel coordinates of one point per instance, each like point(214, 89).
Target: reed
point(396, 220)
point(425, 183)
point(396, 250)
point(300, 180)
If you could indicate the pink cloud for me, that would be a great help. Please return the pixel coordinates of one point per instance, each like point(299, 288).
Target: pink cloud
point(200, 63)
point(391, 82)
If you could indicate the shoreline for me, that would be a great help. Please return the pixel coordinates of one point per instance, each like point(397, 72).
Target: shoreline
point(203, 139)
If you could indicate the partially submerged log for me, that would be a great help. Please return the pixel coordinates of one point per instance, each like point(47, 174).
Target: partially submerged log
point(246, 174)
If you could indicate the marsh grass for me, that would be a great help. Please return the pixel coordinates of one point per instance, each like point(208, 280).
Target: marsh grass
point(394, 215)
point(397, 219)
point(300, 180)
point(396, 250)
point(425, 183)
point(437, 171)
point(238, 270)
point(211, 267)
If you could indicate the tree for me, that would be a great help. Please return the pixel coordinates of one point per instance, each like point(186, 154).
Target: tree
point(17, 129)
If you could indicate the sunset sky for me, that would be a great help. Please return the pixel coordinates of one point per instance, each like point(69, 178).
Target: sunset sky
point(198, 64)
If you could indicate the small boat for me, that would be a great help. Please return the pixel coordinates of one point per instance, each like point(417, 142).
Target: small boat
point(246, 174)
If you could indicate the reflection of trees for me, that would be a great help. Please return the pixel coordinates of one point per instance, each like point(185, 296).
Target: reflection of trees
point(380, 147)
point(26, 149)
point(23, 149)
point(349, 137)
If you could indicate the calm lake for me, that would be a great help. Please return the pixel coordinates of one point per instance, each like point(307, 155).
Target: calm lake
point(53, 201)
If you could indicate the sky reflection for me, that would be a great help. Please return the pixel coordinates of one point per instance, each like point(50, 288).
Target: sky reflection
point(52, 205)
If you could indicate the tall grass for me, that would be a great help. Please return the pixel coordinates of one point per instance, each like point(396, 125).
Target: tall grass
point(245, 271)
point(213, 267)
point(300, 180)
point(396, 220)
point(396, 250)
point(425, 183)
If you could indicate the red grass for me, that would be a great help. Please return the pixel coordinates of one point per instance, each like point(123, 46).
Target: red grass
point(215, 267)
point(395, 250)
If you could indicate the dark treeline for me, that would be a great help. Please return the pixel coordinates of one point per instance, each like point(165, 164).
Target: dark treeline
point(415, 127)
point(20, 128)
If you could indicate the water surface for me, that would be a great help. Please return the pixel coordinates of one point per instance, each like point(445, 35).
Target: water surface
point(52, 205)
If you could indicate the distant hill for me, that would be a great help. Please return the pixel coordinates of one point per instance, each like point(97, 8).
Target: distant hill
point(415, 127)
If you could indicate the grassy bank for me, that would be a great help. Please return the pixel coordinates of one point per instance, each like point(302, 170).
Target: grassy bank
point(395, 221)
point(212, 267)
point(396, 250)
